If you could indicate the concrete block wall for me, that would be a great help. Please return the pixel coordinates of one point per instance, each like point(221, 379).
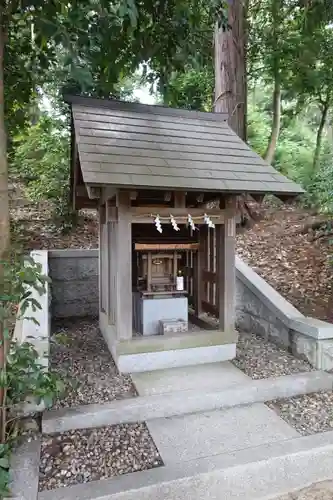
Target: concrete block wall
point(74, 287)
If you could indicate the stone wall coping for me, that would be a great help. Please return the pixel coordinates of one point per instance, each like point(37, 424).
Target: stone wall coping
point(312, 327)
point(37, 333)
point(79, 253)
point(283, 309)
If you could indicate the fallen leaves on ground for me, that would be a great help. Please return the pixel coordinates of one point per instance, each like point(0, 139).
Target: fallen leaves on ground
point(289, 260)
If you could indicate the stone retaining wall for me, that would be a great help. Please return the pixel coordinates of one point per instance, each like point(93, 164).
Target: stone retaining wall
point(262, 310)
point(74, 286)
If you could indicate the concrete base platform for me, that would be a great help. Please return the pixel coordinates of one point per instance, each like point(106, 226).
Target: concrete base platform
point(131, 363)
point(159, 352)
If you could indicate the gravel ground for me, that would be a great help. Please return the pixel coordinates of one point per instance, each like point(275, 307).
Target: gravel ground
point(81, 354)
point(260, 358)
point(307, 414)
point(319, 491)
point(86, 455)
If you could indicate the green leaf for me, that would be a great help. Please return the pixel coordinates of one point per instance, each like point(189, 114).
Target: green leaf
point(4, 463)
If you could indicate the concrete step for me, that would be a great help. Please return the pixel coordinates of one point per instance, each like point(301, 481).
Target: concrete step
point(261, 471)
point(168, 404)
point(206, 378)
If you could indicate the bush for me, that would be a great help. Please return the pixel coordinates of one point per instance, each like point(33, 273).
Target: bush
point(22, 377)
point(41, 161)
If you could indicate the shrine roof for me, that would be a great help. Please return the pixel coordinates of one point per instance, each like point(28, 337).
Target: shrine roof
point(126, 144)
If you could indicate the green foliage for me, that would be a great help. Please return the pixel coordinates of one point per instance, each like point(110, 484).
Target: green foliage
point(26, 379)
point(4, 469)
point(191, 89)
point(22, 377)
point(21, 275)
point(41, 161)
point(294, 153)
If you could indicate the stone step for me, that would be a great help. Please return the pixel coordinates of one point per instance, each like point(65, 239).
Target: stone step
point(262, 471)
point(206, 378)
point(168, 404)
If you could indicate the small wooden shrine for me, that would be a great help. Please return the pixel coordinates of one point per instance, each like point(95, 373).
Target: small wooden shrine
point(165, 183)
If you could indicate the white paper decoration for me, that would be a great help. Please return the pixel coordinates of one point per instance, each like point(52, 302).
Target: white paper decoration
point(190, 222)
point(174, 223)
point(158, 224)
point(208, 221)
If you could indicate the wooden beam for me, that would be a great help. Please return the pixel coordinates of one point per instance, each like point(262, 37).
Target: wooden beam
point(85, 202)
point(108, 193)
point(93, 192)
point(179, 199)
point(81, 190)
point(112, 213)
point(147, 214)
point(124, 268)
point(259, 198)
point(102, 214)
point(166, 246)
point(226, 274)
point(208, 276)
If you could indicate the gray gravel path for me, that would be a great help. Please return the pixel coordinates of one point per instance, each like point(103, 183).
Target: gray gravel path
point(260, 358)
point(307, 414)
point(86, 455)
point(80, 353)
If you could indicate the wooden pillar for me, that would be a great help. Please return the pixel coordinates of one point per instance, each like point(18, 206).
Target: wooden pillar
point(124, 268)
point(103, 260)
point(112, 249)
point(199, 266)
point(226, 272)
point(101, 220)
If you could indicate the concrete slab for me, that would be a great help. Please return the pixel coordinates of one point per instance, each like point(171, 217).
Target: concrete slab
point(144, 408)
point(250, 474)
point(189, 437)
point(24, 471)
point(213, 376)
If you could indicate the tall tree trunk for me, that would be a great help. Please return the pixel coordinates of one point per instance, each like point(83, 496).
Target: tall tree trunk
point(4, 225)
point(230, 73)
point(4, 201)
point(276, 122)
point(230, 79)
point(319, 140)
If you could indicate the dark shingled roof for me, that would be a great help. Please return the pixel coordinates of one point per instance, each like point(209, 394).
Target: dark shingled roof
point(134, 145)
